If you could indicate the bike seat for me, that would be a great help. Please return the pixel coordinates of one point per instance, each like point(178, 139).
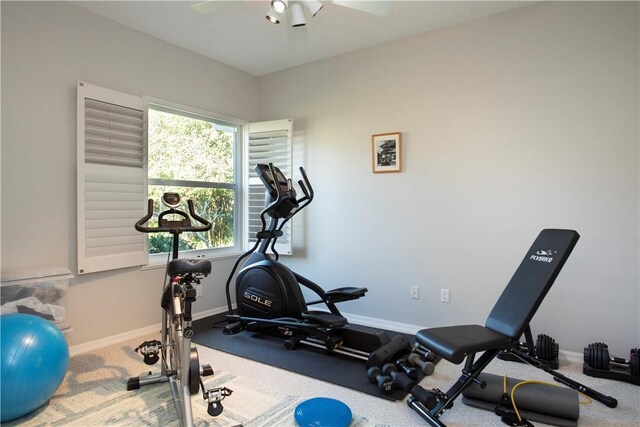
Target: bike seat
point(186, 266)
point(345, 294)
point(326, 319)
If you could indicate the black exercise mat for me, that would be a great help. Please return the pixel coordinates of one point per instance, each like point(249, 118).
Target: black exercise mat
point(312, 362)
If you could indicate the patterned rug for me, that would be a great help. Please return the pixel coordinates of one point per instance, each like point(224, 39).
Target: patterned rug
point(94, 393)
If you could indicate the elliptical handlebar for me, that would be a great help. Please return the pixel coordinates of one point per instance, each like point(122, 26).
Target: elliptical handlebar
point(277, 199)
point(306, 188)
point(283, 203)
point(173, 226)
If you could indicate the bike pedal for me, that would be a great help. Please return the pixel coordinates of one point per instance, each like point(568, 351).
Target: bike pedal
point(150, 350)
point(206, 370)
point(213, 397)
point(214, 409)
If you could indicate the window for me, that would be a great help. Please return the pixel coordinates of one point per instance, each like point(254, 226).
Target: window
point(131, 148)
point(196, 156)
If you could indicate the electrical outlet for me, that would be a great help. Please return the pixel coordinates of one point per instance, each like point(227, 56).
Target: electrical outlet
point(414, 292)
point(444, 295)
point(199, 290)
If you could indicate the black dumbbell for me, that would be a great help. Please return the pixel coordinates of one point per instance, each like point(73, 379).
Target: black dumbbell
point(411, 371)
point(384, 382)
point(429, 398)
point(597, 356)
point(426, 354)
point(425, 366)
point(546, 348)
point(400, 379)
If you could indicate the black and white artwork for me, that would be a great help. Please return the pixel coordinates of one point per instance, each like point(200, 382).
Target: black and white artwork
point(387, 152)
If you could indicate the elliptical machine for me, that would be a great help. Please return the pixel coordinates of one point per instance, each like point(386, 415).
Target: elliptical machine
point(268, 294)
point(180, 364)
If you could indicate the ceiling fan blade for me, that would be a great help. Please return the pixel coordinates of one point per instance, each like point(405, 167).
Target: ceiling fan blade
point(210, 5)
point(377, 7)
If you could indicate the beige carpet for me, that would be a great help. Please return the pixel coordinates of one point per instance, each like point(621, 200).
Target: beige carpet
point(94, 394)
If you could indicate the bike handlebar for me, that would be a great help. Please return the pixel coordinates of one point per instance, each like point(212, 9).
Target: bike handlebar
point(145, 218)
point(173, 226)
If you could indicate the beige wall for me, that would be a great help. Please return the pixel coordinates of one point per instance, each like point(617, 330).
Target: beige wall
point(513, 123)
point(46, 48)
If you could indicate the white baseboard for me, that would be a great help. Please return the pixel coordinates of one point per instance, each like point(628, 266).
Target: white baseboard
point(126, 336)
point(390, 325)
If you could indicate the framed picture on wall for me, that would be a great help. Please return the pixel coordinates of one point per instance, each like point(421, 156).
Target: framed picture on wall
point(387, 152)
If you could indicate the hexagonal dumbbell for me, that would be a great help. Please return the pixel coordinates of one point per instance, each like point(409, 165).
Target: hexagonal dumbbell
point(425, 366)
point(384, 382)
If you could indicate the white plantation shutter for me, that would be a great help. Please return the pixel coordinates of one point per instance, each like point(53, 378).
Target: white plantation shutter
point(268, 142)
point(111, 179)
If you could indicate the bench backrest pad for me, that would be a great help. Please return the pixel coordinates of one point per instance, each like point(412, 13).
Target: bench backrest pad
point(531, 282)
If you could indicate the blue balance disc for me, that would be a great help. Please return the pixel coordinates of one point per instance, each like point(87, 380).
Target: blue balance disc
point(322, 411)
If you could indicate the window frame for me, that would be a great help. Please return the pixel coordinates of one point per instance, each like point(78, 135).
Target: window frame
point(125, 182)
point(160, 259)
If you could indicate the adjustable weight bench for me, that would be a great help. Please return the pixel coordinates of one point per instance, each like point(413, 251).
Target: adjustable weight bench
point(506, 323)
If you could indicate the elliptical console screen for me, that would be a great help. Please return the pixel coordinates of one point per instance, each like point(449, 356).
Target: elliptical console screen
point(267, 179)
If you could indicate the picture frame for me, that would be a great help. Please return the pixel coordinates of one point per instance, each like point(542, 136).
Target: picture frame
point(387, 152)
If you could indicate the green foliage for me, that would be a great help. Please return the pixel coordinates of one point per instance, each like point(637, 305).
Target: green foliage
point(162, 243)
point(188, 149)
point(183, 148)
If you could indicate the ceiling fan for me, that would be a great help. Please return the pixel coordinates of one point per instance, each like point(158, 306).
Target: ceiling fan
point(278, 8)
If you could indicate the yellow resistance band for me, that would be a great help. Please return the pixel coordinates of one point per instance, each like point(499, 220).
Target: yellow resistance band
point(589, 401)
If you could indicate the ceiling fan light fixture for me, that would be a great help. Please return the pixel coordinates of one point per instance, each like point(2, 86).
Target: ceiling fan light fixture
point(312, 6)
point(279, 5)
point(272, 17)
point(297, 15)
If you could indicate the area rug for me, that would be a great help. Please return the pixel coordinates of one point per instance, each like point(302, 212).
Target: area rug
point(94, 393)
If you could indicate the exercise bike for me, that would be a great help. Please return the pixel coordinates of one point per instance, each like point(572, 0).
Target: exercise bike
point(180, 365)
point(268, 294)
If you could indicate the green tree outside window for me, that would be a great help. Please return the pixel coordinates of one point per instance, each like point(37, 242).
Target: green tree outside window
point(190, 155)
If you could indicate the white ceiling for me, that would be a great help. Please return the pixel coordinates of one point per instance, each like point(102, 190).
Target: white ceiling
point(237, 33)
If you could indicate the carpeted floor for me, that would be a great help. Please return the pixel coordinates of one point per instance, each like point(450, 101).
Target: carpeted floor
point(309, 361)
point(94, 394)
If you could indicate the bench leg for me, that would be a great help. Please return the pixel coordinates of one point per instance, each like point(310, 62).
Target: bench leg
point(445, 400)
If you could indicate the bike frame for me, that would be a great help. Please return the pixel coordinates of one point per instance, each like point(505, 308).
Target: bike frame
point(177, 355)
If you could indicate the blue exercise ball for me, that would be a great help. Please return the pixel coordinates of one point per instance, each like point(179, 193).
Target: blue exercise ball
point(35, 357)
